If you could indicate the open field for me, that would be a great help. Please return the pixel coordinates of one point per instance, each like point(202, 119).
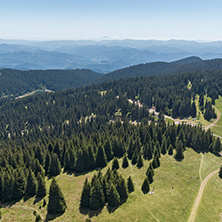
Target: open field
point(175, 185)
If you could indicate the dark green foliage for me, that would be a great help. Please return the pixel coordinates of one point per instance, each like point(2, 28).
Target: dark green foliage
point(20, 185)
point(139, 161)
point(38, 218)
point(31, 187)
point(209, 111)
point(170, 151)
point(122, 189)
point(101, 160)
point(130, 184)
point(179, 151)
point(48, 161)
point(115, 164)
point(149, 175)
point(44, 203)
point(97, 199)
point(55, 167)
point(125, 163)
point(145, 187)
point(57, 203)
point(108, 150)
point(217, 146)
point(220, 172)
point(41, 191)
point(113, 198)
point(85, 196)
point(134, 159)
point(39, 168)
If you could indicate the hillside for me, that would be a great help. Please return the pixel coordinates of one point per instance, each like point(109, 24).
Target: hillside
point(16, 82)
point(190, 64)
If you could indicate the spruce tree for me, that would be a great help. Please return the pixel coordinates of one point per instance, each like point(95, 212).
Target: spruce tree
point(31, 187)
point(125, 163)
point(39, 168)
point(47, 162)
point(113, 197)
point(149, 176)
point(139, 161)
point(179, 151)
point(108, 150)
point(134, 159)
point(41, 191)
point(170, 151)
point(55, 167)
point(122, 189)
point(130, 184)
point(145, 187)
point(97, 198)
point(101, 160)
point(19, 185)
point(57, 203)
point(115, 164)
point(217, 146)
point(85, 196)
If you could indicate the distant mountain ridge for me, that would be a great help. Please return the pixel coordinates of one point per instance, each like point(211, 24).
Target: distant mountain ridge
point(100, 56)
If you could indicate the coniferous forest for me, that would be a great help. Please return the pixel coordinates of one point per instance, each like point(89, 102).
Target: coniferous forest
point(82, 129)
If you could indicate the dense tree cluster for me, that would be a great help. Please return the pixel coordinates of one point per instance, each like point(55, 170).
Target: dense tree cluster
point(110, 188)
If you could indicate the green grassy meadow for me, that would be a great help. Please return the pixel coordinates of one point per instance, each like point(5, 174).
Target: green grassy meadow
point(175, 188)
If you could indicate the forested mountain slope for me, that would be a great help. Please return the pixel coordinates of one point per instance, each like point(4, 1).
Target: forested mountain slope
point(17, 82)
point(190, 64)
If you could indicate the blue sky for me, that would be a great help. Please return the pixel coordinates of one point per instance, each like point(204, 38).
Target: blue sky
point(118, 19)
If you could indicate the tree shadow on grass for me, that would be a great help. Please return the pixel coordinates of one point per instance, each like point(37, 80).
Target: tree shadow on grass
point(89, 212)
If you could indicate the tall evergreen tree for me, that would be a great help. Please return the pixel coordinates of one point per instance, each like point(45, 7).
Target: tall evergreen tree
point(97, 198)
point(220, 172)
point(125, 163)
point(20, 185)
point(31, 187)
point(179, 151)
point(217, 146)
point(130, 184)
point(113, 197)
point(145, 187)
point(85, 196)
point(115, 164)
point(55, 167)
point(41, 190)
point(170, 151)
point(149, 176)
point(101, 160)
point(57, 203)
point(139, 161)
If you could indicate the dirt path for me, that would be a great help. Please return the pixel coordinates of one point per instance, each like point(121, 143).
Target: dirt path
point(214, 123)
point(200, 193)
point(201, 163)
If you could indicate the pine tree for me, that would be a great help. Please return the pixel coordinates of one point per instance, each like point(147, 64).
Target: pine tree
point(217, 146)
point(97, 198)
point(101, 160)
point(139, 161)
point(134, 159)
point(39, 168)
point(115, 164)
point(149, 176)
point(164, 146)
point(113, 197)
point(57, 203)
point(145, 187)
point(85, 197)
point(125, 163)
point(91, 158)
point(20, 185)
point(55, 167)
point(41, 191)
point(47, 162)
point(130, 184)
point(108, 150)
point(170, 151)
point(31, 187)
point(122, 189)
point(179, 151)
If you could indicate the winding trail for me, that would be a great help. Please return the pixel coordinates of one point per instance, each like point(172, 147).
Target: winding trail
point(200, 193)
point(201, 163)
point(214, 123)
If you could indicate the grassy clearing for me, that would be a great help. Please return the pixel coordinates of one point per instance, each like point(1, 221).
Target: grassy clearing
point(217, 129)
point(175, 185)
point(210, 208)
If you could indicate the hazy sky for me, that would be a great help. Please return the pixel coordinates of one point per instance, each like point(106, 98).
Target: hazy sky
point(136, 19)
